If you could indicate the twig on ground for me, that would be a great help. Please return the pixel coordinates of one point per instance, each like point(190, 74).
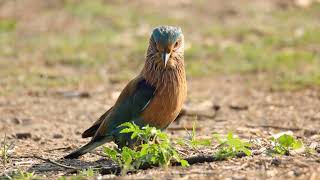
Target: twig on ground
point(180, 152)
point(199, 159)
point(111, 170)
point(20, 157)
point(57, 149)
point(200, 113)
point(23, 163)
point(179, 128)
point(98, 154)
point(191, 160)
point(7, 176)
point(274, 127)
point(115, 169)
point(56, 163)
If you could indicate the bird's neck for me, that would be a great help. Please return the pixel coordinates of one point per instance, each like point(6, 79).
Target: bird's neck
point(164, 78)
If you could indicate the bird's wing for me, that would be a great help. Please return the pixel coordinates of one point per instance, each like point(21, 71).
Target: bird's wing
point(92, 130)
point(132, 101)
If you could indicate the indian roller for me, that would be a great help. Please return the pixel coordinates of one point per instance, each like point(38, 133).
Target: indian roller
point(155, 97)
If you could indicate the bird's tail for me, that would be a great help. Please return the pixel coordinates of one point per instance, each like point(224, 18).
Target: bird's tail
point(85, 149)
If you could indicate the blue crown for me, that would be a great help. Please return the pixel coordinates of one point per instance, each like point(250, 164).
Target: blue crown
point(166, 34)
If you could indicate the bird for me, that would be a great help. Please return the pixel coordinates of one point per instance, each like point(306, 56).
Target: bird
point(154, 97)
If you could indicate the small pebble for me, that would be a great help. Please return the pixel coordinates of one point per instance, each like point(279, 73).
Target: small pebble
point(16, 120)
point(23, 135)
point(297, 172)
point(22, 121)
point(36, 138)
point(318, 148)
point(241, 154)
point(276, 162)
point(57, 136)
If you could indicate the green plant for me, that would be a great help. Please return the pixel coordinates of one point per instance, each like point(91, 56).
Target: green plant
point(154, 149)
point(284, 144)
point(4, 147)
point(90, 172)
point(193, 141)
point(74, 177)
point(62, 178)
point(231, 147)
point(22, 175)
point(84, 174)
point(7, 25)
point(4, 150)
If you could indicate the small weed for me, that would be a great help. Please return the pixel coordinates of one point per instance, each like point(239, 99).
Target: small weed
point(90, 172)
point(155, 149)
point(284, 144)
point(4, 151)
point(84, 174)
point(7, 25)
point(4, 147)
point(21, 175)
point(194, 142)
point(231, 147)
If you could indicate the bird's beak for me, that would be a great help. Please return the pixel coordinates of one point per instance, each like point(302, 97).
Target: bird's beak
point(165, 57)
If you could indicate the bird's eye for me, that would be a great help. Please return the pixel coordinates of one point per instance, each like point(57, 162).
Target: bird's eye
point(176, 44)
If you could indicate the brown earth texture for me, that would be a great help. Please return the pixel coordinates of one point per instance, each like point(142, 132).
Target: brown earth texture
point(63, 63)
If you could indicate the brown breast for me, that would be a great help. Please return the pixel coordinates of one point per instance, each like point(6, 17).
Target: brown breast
point(167, 102)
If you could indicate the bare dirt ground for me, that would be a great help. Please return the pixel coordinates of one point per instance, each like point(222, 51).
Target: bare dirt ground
point(50, 91)
point(55, 123)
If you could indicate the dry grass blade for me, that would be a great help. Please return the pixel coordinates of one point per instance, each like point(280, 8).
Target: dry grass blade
point(56, 163)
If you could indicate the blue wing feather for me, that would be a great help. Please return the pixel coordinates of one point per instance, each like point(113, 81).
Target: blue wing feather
point(129, 109)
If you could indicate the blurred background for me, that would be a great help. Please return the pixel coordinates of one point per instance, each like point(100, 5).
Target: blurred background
point(80, 44)
point(253, 68)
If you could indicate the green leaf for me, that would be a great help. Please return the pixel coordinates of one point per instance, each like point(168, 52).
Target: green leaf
point(128, 156)
point(285, 143)
point(230, 147)
point(218, 138)
point(113, 154)
point(230, 136)
point(286, 140)
point(184, 163)
point(193, 131)
point(204, 142)
point(297, 144)
point(88, 172)
point(246, 151)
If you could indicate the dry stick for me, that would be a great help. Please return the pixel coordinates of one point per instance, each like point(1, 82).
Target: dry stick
point(56, 163)
point(191, 160)
point(179, 128)
point(115, 169)
point(7, 176)
point(103, 170)
point(275, 127)
point(199, 113)
point(99, 154)
point(199, 159)
point(57, 149)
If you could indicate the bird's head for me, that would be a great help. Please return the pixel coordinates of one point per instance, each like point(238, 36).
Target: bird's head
point(166, 46)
